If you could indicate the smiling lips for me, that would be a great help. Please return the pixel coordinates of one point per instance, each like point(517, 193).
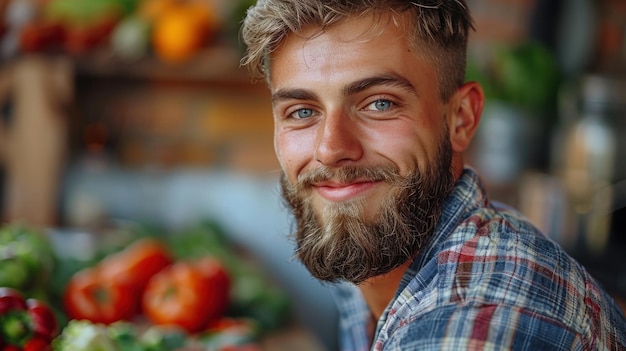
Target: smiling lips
point(334, 191)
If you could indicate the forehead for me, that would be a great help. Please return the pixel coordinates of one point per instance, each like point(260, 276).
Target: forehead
point(375, 39)
point(363, 27)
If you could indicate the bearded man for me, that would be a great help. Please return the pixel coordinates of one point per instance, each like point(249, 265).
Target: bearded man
point(372, 116)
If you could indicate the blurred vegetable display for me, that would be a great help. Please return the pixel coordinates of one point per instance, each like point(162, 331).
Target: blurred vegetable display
point(148, 289)
point(80, 335)
point(111, 290)
point(171, 30)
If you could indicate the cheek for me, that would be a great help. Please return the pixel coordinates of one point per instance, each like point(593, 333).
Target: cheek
point(406, 145)
point(294, 151)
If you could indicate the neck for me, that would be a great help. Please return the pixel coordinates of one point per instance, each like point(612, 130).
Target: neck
point(378, 291)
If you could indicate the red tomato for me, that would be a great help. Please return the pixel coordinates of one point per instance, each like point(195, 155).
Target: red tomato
point(137, 263)
point(187, 294)
point(89, 296)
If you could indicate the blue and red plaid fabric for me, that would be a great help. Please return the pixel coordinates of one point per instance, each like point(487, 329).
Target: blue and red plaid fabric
point(488, 280)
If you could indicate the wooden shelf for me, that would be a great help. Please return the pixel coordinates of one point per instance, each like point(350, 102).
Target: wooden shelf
point(216, 65)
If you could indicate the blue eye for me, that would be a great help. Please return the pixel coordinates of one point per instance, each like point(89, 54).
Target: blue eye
point(302, 113)
point(381, 105)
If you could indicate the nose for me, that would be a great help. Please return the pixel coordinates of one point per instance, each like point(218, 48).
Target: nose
point(338, 140)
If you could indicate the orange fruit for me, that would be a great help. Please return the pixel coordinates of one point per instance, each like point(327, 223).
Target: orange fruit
point(182, 31)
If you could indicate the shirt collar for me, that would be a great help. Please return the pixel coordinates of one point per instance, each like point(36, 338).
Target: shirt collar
point(468, 193)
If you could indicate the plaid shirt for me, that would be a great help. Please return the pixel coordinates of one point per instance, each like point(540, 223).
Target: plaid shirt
point(487, 280)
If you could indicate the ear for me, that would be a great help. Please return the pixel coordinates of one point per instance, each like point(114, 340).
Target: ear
point(467, 106)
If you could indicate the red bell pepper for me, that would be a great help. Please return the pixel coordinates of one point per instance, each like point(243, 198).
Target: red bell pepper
point(25, 324)
point(88, 295)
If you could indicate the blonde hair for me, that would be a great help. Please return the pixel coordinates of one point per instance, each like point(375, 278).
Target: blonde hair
point(440, 30)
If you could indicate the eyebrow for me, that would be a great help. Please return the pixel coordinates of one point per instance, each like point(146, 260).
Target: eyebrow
point(292, 94)
point(385, 79)
point(350, 89)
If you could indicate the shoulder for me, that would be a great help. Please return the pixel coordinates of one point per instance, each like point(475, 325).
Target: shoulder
point(502, 259)
point(490, 279)
point(498, 282)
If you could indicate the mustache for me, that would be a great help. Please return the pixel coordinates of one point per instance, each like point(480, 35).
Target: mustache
point(347, 174)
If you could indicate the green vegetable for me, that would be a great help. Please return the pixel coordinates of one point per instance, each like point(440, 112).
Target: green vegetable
point(163, 339)
point(123, 334)
point(14, 273)
point(255, 298)
point(226, 339)
point(26, 258)
point(81, 335)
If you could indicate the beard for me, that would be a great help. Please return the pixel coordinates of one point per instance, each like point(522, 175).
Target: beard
point(341, 243)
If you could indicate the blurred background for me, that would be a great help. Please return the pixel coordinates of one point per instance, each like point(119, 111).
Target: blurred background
point(137, 110)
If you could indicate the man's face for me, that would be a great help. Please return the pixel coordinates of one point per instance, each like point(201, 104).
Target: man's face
point(361, 135)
